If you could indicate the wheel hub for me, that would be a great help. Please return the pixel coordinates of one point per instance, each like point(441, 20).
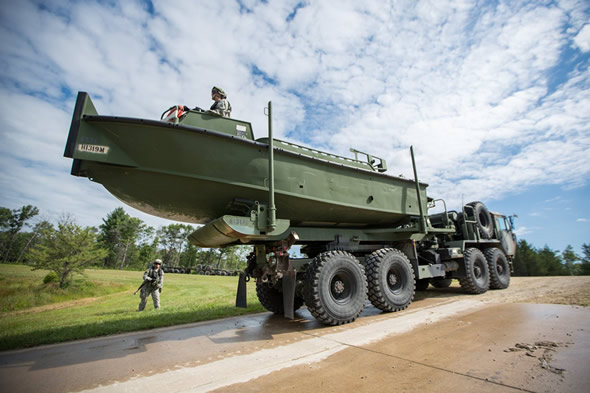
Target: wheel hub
point(338, 287)
point(477, 271)
point(392, 279)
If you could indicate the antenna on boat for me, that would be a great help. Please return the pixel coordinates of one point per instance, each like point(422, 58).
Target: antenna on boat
point(272, 210)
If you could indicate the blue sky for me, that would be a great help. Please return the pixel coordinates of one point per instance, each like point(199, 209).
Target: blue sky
point(494, 96)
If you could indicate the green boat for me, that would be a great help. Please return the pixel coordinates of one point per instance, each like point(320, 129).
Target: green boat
point(196, 167)
point(363, 232)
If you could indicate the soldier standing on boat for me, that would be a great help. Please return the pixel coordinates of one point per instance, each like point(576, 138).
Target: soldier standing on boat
point(221, 106)
point(153, 279)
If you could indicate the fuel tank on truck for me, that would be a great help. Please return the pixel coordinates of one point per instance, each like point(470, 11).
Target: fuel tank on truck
point(202, 166)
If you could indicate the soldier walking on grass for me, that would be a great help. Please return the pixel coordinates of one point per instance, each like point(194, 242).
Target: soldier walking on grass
point(153, 279)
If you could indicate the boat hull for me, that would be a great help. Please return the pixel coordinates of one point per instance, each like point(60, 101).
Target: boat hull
point(195, 175)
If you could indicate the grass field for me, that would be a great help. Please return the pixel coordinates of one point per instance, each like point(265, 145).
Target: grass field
point(101, 303)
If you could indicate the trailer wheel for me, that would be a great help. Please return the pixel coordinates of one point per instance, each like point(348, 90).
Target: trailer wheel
point(498, 267)
point(441, 282)
point(335, 287)
point(477, 277)
point(272, 299)
point(484, 220)
point(390, 278)
point(422, 285)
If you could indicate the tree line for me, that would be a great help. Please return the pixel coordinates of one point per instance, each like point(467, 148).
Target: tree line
point(531, 261)
point(120, 242)
point(125, 242)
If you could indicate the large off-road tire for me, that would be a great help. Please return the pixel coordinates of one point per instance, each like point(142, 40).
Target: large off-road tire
point(477, 277)
point(498, 267)
point(272, 299)
point(422, 285)
point(335, 287)
point(441, 282)
point(390, 279)
point(483, 217)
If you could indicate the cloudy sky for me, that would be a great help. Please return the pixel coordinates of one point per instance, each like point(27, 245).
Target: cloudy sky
point(493, 95)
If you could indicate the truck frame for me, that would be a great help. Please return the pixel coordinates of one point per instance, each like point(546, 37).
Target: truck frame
point(344, 265)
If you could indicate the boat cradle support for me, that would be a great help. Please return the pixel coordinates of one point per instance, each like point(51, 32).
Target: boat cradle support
point(229, 229)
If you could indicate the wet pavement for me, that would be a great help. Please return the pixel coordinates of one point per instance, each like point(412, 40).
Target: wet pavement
point(440, 344)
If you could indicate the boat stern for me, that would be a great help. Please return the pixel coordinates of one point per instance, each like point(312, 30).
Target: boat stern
point(86, 143)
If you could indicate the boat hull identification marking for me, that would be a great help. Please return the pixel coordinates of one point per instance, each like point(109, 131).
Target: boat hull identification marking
point(93, 148)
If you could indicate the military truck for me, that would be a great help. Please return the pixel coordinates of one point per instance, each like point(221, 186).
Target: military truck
point(364, 233)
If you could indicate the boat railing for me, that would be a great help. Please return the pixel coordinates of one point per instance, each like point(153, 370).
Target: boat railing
point(310, 152)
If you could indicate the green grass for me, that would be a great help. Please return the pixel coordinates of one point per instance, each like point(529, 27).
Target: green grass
point(101, 303)
point(19, 291)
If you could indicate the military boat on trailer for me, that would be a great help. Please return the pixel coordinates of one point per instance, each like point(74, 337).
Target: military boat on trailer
point(365, 233)
point(202, 166)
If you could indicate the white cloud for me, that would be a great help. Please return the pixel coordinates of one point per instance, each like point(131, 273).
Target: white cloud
point(582, 220)
point(521, 231)
point(582, 40)
point(471, 86)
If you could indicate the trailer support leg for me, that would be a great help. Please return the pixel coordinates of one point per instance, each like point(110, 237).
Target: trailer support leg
point(241, 293)
point(289, 284)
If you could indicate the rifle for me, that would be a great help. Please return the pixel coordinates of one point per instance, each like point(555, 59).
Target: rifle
point(141, 286)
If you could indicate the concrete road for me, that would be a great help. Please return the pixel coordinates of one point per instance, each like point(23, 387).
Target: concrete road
point(456, 343)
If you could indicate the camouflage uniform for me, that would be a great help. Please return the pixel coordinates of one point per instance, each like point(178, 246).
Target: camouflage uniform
point(221, 107)
point(153, 287)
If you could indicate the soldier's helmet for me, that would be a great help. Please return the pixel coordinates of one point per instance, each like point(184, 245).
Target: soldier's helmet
point(158, 262)
point(219, 90)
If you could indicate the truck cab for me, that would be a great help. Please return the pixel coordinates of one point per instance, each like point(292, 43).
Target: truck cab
point(503, 231)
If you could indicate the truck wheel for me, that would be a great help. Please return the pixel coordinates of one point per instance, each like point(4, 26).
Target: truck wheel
point(422, 285)
point(272, 299)
point(390, 279)
point(484, 220)
point(441, 282)
point(477, 277)
point(498, 267)
point(335, 287)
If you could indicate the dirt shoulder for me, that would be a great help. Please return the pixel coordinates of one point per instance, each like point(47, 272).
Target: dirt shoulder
point(571, 290)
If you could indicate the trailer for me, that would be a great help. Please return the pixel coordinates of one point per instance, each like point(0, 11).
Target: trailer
point(364, 233)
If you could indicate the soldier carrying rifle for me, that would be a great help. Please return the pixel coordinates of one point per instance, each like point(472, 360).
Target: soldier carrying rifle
point(153, 279)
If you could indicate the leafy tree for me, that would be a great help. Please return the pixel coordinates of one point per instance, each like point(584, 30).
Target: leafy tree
point(147, 247)
point(208, 256)
point(174, 239)
point(525, 260)
point(229, 258)
point(585, 265)
point(189, 255)
point(67, 250)
point(119, 232)
point(14, 221)
point(529, 261)
point(235, 257)
point(570, 258)
point(5, 216)
point(33, 238)
point(550, 263)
